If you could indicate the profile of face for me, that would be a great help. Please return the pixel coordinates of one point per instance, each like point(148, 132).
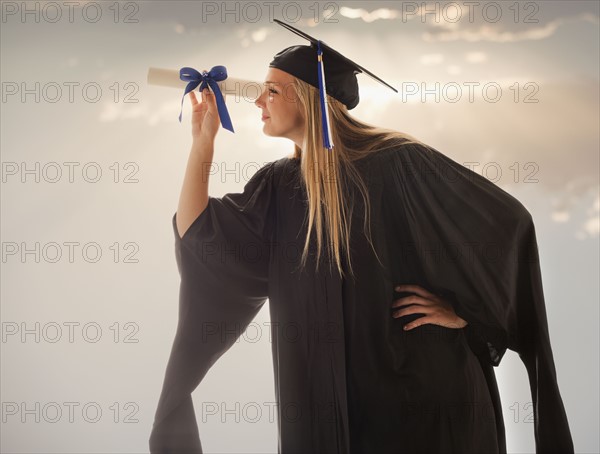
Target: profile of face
point(281, 110)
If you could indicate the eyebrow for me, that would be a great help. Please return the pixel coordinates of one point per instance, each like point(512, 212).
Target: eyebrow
point(272, 82)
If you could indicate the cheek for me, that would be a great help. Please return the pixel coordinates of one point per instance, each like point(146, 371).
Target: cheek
point(290, 111)
point(269, 105)
point(297, 116)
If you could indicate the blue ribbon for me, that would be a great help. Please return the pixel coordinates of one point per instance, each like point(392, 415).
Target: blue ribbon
point(327, 142)
point(204, 79)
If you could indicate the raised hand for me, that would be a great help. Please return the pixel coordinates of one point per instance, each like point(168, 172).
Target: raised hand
point(205, 117)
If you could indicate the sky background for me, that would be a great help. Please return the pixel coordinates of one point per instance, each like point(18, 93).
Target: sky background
point(91, 331)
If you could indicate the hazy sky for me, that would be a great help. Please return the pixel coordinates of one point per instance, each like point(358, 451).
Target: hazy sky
point(88, 172)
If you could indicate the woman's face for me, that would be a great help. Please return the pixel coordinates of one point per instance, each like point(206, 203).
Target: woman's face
point(281, 110)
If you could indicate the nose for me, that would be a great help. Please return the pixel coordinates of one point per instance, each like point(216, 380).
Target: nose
point(259, 101)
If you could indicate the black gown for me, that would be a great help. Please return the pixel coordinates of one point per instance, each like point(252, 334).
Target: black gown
point(349, 379)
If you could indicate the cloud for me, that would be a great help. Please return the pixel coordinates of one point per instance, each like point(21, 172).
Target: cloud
point(409, 11)
point(359, 13)
point(454, 30)
point(491, 33)
point(572, 202)
point(449, 29)
point(560, 216)
point(167, 111)
point(476, 57)
point(431, 59)
point(495, 33)
point(260, 35)
point(591, 227)
point(247, 37)
point(454, 70)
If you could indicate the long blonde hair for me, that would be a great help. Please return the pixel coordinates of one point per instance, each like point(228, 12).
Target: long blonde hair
point(321, 169)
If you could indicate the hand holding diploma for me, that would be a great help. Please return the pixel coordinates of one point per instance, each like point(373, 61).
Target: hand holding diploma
point(217, 79)
point(205, 117)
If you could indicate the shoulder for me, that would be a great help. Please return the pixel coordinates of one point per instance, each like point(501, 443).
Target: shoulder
point(284, 167)
point(421, 167)
point(403, 152)
point(264, 174)
point(272, 174)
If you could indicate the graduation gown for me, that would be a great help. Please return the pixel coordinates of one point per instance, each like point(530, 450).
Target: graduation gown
point(348, 378)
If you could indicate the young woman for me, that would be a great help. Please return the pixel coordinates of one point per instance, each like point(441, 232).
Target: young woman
point(404, 275)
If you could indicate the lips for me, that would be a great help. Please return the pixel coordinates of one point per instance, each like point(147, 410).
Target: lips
point(264, 117)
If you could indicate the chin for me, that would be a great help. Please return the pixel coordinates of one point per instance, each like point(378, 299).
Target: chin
point(267, 132)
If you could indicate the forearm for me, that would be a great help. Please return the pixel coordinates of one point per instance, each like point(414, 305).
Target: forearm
point(193, 198)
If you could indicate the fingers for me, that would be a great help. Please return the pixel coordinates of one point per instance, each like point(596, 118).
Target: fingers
point(416, 323)
point(208, 97)
point(428, 320)
point(412, 299)
point(412, 310)
point(193, 98)
point(434, 308)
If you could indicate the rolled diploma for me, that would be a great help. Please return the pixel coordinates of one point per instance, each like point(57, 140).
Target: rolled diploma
point(229, 86)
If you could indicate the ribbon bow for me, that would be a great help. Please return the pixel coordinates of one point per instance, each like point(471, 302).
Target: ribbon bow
point(210, 78)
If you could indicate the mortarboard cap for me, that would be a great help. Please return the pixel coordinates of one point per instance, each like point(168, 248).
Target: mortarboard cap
point(324, 68)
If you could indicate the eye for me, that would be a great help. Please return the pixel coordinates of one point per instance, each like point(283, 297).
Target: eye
point(271, 90)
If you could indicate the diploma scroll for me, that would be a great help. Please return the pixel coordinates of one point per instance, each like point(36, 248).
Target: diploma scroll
point(240, 88)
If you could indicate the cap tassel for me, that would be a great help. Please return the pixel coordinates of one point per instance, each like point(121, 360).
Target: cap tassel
point(322, 95)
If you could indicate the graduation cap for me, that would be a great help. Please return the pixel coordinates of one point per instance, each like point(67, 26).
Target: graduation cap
point(326, 69)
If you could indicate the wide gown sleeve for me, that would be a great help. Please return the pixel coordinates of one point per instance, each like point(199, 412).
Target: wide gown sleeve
point(477, 244)
point(223, 261)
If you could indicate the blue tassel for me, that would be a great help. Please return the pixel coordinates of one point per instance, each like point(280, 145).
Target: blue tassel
point(322, 95)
